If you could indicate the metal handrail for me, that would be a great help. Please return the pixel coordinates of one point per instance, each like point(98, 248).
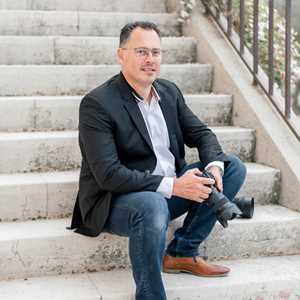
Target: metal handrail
point(224, 20)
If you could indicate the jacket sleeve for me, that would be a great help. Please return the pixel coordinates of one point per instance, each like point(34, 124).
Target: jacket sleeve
point(96, 134)
point(197, 134)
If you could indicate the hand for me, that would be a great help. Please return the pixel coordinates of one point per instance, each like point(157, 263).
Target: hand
point(192, 187)
point(217, 174)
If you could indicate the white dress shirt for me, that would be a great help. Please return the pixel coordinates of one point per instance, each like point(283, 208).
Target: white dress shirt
point(158, 132)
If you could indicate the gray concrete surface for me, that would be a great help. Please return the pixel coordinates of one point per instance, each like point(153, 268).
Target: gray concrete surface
point(52, 194)
point(45, 247)
point(90, 5)
point(59, 150)
point(22, 22)
point(58, 113)
point(77, 80)
point(82, 50)
point(253, 279)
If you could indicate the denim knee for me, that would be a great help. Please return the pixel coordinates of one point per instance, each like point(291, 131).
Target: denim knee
point(152, 211)
point(237, 166)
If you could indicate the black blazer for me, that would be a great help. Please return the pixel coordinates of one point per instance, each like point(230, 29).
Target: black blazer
point(117, 154)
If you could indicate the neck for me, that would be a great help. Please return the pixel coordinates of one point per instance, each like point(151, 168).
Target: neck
point(143, 90)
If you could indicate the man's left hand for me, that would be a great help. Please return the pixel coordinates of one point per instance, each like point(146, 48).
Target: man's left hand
point(218, 178)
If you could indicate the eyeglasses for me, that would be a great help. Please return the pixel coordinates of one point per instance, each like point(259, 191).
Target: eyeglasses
point(145, 52)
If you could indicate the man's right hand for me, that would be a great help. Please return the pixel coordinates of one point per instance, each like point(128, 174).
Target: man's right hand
point(192, 187)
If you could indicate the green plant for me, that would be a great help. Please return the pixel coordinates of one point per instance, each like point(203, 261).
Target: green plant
point(279, 40)
point(279, 34)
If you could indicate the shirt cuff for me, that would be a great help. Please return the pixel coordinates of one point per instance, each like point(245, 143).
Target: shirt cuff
point(219, 164)
point(166, 187)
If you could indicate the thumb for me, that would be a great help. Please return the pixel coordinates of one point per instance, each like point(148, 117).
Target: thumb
point(219, 184)
point(196, 171)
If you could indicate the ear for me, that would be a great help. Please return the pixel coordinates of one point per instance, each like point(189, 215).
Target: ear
point(120, 56)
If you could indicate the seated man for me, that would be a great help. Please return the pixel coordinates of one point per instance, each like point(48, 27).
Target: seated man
point(134, 178)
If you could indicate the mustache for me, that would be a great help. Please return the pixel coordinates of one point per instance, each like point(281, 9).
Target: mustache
point(149, 66)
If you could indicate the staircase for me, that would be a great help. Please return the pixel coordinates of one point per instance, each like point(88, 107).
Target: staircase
point(51, 53)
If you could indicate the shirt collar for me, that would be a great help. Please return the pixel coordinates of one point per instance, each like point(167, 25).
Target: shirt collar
point(154, 95)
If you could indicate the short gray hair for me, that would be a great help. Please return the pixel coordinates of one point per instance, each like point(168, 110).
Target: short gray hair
point(129, 27)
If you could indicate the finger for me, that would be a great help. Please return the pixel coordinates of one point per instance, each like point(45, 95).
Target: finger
point(219, 184)
point(220, 187)
point(208, 181)
point(204, 189)
point(196, 171)
point(203, 195)
point(199, 200)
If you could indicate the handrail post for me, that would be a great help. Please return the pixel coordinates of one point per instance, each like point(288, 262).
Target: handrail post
point(288, 9)
point(271, 47)
point(229, 17)
point(255, 40)
point(242, 26)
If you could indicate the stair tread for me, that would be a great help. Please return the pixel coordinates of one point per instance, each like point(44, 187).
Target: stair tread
point(202, 97)
point(68, 176)
point(50, 113)
point(35, 248)
point(78, 79)
point(251, 277)
point(73, 133)
point(39, 22)
point(83, 50)
point(98, 65)
point(90, 37)
point(91, 5)
point(42, 229)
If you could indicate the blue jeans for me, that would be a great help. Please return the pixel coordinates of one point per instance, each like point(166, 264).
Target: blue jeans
point(144, 218)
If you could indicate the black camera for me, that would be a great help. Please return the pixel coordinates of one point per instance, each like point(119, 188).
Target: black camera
point(224, 209)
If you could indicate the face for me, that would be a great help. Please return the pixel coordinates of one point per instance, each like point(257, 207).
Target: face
point(138, 68)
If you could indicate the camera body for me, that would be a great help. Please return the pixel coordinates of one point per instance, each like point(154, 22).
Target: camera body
point(223, 208)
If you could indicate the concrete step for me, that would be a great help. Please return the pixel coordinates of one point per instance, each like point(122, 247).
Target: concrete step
point(52, 195)
point(90, 5)
point(76, 80)
point(82, 50)
point(59, 150)
point(45, 247)
point(260, 278)
point(37, 22)
point(58, 113)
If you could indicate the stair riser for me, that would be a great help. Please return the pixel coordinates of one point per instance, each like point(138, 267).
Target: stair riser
point(51, 113)
point(62, 152)
point(263, 239)
point(273, 278)
point(82, 50)
point(74, 253)
point(237, 143)
point(268, 290)
point(91, 5)
point(46, 197)
point(77, 80)
point(79, 23)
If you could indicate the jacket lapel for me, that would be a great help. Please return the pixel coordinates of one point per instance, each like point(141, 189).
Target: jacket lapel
point(138, 120)
point(133, 110)
point(168, 113)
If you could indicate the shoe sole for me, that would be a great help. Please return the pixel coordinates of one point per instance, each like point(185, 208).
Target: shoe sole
point(170, 271)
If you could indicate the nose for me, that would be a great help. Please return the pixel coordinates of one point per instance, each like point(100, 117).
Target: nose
point(149, 56)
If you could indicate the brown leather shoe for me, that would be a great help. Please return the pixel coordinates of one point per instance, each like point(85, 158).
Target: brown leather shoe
point(194, 265)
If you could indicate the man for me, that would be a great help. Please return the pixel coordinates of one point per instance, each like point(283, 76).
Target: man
point(134, 178)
